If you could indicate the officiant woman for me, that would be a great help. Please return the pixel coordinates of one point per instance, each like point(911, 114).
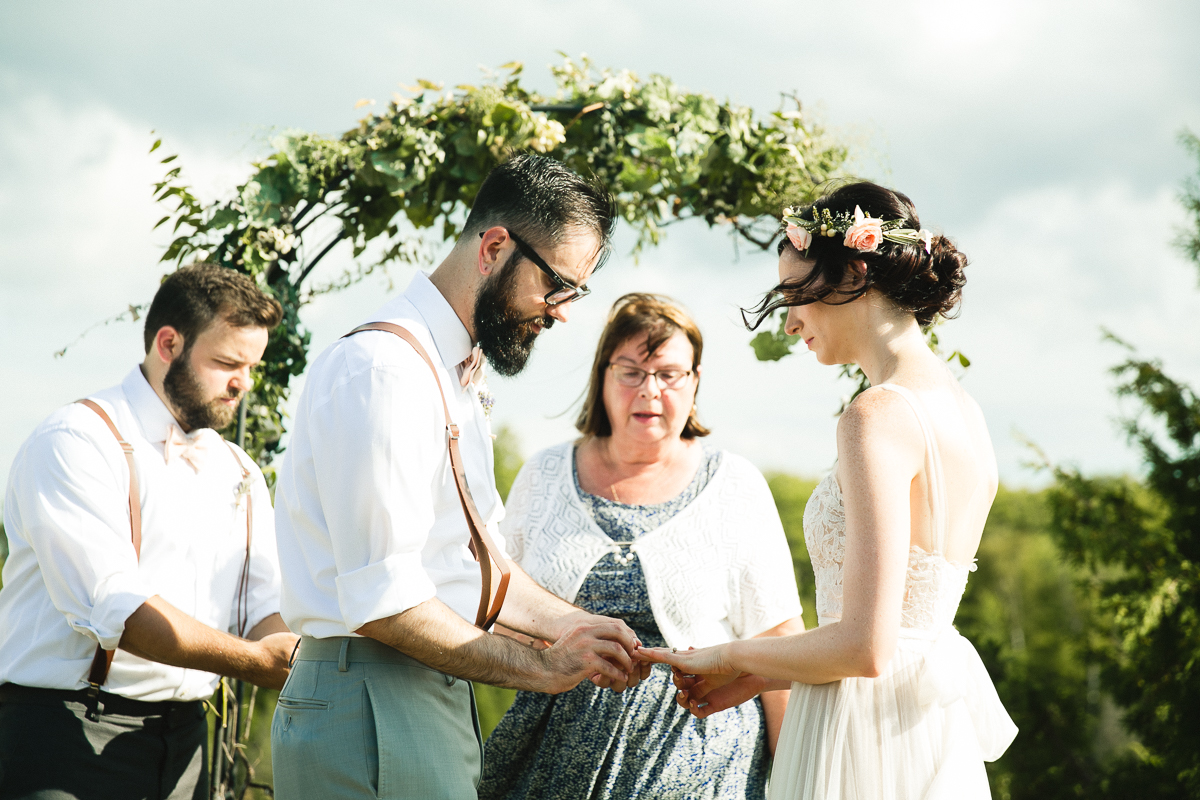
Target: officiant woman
point(640, 519)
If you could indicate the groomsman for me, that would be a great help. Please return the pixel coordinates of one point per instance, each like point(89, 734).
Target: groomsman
point(374, 536)
point(137, 538)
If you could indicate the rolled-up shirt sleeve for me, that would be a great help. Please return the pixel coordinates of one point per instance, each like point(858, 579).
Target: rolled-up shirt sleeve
point(73, 505)
point(377, 447)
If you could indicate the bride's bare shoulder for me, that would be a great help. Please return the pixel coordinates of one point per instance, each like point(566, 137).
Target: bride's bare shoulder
point(878, 420)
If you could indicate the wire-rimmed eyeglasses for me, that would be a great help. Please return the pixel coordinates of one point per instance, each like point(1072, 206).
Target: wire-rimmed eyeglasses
point(632, 377)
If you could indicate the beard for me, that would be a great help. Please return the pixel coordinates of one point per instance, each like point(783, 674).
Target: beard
point(503, 333)
point(183, 389)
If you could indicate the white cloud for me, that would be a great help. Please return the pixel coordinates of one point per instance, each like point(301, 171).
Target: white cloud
point(75, 248)
point(1050, 267)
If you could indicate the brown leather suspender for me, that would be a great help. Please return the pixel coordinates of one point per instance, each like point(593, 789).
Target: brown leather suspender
point(102, 660)
point(491, 597)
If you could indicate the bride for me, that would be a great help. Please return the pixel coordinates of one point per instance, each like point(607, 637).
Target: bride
point(888, 700)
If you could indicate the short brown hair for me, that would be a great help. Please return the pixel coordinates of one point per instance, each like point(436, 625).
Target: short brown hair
point(636, 314)
point(191, 297)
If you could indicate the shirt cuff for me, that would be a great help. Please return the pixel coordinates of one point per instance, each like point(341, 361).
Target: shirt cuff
point(383, 589)
point(116, 598)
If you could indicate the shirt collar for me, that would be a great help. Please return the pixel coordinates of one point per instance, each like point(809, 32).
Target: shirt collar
point(449, 334)
point(148, 408)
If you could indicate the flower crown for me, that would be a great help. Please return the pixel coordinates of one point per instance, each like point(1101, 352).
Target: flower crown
point(863, 232)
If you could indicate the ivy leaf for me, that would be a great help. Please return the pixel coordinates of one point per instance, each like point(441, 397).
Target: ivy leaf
point(773, 345)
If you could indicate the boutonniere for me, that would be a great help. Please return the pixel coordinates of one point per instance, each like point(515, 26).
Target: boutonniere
point(486, 399)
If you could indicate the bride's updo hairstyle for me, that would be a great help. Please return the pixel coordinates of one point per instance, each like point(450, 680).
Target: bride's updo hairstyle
point(926, 285)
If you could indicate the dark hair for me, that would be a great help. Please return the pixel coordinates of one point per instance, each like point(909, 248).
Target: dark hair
point(924, 284)
point(540, 200)
point(191, 297)
point(633, 315)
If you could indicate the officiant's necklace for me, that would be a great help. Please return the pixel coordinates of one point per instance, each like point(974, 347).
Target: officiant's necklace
point(610, 464)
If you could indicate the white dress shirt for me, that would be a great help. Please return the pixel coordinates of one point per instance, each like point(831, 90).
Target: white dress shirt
point(369, 520)
point(72, 577)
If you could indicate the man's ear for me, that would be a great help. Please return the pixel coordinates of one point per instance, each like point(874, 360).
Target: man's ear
point(493, 249)
point(168, 344)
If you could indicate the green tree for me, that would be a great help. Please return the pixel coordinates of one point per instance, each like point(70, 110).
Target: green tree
point(400, 181)
point(1032, 623)
point(1139, 543)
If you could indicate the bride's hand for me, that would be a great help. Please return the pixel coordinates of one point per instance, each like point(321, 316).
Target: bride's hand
point(705, 661)
point(709, 665)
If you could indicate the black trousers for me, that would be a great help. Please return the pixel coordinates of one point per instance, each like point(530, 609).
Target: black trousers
point(50, 750)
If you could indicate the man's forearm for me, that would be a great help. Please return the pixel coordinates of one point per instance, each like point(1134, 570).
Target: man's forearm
point(157, 631)
point(530, 609)
point(434, 635)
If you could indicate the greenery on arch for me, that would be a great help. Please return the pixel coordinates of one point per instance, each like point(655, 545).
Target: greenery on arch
point(399, 182)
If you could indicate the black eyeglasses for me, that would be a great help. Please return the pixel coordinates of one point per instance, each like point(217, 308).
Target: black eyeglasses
point(563, 292)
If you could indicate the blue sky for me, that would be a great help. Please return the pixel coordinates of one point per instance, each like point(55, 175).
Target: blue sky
point(1041, 137)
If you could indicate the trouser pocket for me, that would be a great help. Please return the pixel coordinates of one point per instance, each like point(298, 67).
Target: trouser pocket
point(302, 703)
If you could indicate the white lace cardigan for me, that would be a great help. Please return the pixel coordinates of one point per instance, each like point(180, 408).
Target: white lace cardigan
point(718, 570)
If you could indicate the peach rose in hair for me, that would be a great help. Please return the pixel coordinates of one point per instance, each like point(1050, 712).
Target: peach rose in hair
point(799, 237)
point(865, 234)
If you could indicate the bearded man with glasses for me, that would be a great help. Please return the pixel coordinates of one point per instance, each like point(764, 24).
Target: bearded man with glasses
point(379, 533)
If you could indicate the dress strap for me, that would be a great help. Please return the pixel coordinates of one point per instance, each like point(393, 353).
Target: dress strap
point(933, 467)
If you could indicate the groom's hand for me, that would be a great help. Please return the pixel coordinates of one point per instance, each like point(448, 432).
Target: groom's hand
point(591, 646)
point(641, 669)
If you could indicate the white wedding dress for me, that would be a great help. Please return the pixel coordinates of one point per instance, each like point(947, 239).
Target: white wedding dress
point(922, 729)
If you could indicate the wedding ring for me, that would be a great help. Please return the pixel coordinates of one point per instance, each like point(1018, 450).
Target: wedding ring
point(674, 650)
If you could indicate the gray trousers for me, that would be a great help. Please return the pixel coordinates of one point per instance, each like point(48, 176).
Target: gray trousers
point(50, 750)
point(360, 719)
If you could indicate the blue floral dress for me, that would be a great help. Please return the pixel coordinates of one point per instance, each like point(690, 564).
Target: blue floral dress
point(592, 743)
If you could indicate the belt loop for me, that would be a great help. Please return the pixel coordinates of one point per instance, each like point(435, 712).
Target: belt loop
point(343, 661)
point(94, 707)
point(295, 650)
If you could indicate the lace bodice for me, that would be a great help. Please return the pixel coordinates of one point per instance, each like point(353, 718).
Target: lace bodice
point(933, 586)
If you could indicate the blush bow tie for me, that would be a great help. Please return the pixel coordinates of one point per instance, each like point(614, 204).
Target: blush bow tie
point(191, 447)
point(470, 366)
